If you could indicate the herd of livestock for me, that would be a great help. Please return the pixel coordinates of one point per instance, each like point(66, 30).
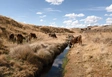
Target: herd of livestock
point(19, 38)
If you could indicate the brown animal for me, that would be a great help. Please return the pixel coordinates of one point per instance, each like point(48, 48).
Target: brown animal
point(20, 38)
point(12, 37)
point(52, 35)
point(32, 35)
point(69, 37)
point(74, 40)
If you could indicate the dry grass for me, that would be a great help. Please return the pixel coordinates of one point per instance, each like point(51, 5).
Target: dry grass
point(93, 59)
point(21, 52)
point(23, 60)
point(49, 29)
point(35, 54)
point(3, 60)
point(25, 53)
point(1, 42)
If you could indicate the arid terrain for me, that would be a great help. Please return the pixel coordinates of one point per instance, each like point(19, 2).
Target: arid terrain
point(94, 57)
point(91, 59)
point(28, 58)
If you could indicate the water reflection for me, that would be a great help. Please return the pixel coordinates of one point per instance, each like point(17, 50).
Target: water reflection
point(56, 68)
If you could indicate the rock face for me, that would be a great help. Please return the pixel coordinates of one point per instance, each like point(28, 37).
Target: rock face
point(37, 56)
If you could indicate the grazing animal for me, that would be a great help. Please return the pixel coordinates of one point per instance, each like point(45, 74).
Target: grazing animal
point(77, 39)
point(32, 35)
point(69, 37)
point(52, 35)
point(12, 37)
point(20, 38)
point(83, 29)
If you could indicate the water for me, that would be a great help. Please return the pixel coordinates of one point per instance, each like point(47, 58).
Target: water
point(56, 69)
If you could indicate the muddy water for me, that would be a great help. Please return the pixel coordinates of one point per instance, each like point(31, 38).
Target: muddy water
point(56, 68)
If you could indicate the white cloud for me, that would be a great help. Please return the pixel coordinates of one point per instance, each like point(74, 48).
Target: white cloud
point(39, 13)
point(41, 20)
point(88, 21)
point(53, 24)
point(72, 24)
point(76, 22)
point(109, 8)
point(73, 15)
point(91, 20)
point(109, 21)
point(68, 22)
point(55, 2)
point(43, 16)
point(108, 14)
point(51, 10)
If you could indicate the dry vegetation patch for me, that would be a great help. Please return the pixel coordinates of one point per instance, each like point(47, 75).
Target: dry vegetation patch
point(93, 58)
point(21, 60)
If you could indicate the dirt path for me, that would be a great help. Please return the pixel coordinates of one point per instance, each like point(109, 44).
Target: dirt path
point(92, 59)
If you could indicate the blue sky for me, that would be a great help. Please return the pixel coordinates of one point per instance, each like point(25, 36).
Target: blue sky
point(59, 13)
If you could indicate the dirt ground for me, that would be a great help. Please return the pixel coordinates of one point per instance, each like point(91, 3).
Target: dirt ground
point(93, 58)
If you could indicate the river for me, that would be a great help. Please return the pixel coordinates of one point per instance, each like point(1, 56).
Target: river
point(56, 68)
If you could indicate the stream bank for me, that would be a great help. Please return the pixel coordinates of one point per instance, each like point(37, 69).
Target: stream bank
point(56, 69)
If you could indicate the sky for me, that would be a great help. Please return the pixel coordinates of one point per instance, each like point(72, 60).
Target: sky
point(59, 13)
